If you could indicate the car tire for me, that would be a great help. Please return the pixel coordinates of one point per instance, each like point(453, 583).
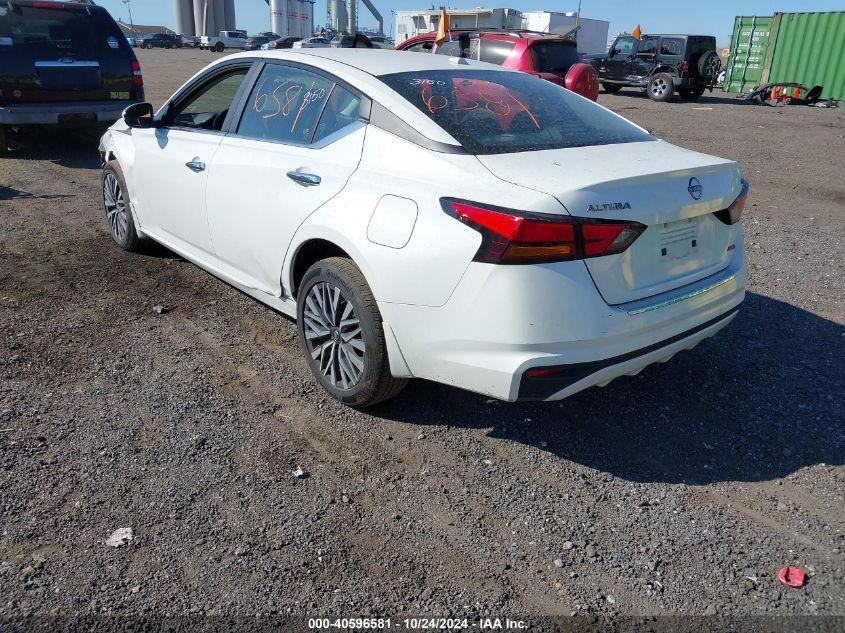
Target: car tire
point(660, 87)
point(219, 47)
point(118, 210)
point(341, 333)
point(691, 94)
point(4, 141)
point(611, 88)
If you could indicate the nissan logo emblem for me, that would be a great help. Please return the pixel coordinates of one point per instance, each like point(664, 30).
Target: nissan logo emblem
point(695, 189)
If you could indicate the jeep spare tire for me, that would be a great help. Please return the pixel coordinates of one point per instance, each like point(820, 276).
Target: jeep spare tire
point(709, 65)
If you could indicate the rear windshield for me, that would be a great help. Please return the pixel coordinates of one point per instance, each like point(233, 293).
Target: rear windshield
point(498, 112)
point(554, 56)
point(57, 32)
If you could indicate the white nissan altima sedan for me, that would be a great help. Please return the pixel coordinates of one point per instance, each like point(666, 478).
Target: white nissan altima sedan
point(431, 217)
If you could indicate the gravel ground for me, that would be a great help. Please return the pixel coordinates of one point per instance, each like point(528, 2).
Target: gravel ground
point(678, 492)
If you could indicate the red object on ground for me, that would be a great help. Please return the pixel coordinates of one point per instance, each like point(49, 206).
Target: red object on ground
point(792, 576)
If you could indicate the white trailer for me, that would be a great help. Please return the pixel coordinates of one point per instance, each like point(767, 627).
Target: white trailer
point(592, 34)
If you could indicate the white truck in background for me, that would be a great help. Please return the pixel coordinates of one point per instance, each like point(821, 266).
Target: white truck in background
point(226, 39)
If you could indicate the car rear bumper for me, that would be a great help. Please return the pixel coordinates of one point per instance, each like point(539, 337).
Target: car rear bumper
point(60, 113)
point(503, 321)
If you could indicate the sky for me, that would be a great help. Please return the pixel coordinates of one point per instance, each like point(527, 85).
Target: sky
point(709, 17)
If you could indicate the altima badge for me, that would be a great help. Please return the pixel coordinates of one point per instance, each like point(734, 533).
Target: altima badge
point(609, 206)
point(695, 189)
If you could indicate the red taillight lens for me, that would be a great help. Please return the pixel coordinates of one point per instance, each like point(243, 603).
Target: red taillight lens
point(515, 237)
point(136, 72)
point(683, 67)
point(733, 213)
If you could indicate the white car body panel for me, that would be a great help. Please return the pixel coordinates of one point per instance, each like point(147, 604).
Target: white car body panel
point(250, 245)
point(447, 318)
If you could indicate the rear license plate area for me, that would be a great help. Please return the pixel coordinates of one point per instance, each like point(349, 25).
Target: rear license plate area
point(678, 240)
point(78, 117)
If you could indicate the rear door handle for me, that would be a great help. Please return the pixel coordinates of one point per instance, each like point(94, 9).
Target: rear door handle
point(195, 165)
point(306, 180)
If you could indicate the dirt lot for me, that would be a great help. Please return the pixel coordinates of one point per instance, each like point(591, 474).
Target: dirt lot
point(680, 491)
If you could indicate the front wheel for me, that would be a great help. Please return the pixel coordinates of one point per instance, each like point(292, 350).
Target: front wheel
point(660, 87)
point(340, 331)
point(118, 210)
point(219, 47)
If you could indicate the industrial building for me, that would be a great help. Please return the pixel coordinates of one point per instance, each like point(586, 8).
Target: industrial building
point(287, 17)
point(592, 34)
point(201, 17)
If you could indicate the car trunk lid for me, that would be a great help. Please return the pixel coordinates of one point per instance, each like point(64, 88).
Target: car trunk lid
point(62, 52)
point(674, 192)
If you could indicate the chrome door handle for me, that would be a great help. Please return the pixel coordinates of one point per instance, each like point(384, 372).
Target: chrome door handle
point(306, 180)
point(195, 165)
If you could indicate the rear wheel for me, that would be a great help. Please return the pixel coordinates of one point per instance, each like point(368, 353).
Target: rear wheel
point(4, 147)
point(219, 47)
point(118, 210)
point(340, 331)
point(691, 94)
point(611, 88)
point(660, 87)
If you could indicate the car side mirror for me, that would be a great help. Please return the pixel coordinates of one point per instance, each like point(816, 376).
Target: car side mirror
point(611, 52)
point(139, 115)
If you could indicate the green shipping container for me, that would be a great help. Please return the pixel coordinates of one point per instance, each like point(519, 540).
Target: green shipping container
point(809, 48)
point(749, 45)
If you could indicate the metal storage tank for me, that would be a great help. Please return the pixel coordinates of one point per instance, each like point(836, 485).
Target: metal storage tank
point(279, 17)
point(340, 18)
point(199, 19)
point(809, 48)
point(749, 44)
point(229, 14)
point(219, 15)
point(352, 10)
point(184, 14)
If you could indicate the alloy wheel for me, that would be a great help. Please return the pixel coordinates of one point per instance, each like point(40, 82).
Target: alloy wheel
point(333, 335)
point(659, 87)
point(115, 207)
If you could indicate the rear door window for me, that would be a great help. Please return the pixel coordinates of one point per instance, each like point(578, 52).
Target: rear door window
point(554, 56)
point(496, 112)
point(463, 46)
point(672, 46)
point(285, 105)
point(495, 51)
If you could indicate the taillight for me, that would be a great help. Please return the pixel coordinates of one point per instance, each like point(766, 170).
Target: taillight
point(683, 66)
point(516, 237)
point(733, 213)
point(136, 72)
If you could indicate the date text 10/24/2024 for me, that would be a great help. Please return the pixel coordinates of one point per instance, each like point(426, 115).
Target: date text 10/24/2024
point(417, 624)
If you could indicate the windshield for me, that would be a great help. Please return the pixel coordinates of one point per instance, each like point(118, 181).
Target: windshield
point(497, 112)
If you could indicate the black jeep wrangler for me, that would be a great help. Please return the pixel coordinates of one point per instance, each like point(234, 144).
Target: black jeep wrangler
point(660, 64)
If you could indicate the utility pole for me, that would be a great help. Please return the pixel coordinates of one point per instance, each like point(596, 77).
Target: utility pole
point(129, 8)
